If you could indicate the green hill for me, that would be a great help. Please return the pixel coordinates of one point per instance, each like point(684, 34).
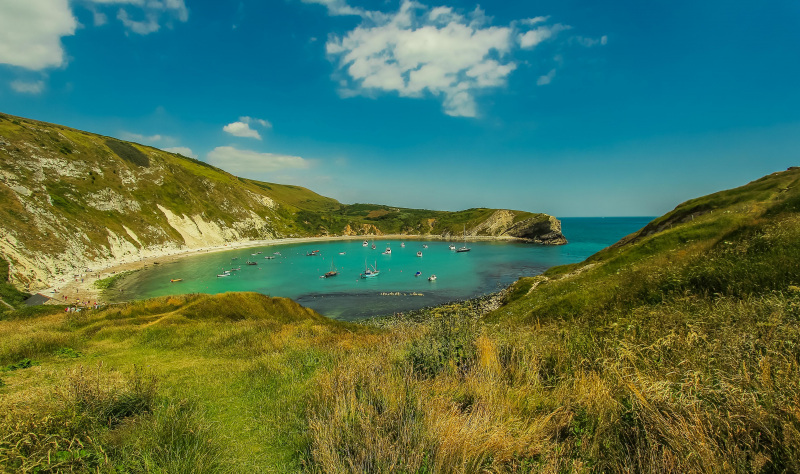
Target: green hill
point(675, 350)
point(740, 242)
point(74, 200)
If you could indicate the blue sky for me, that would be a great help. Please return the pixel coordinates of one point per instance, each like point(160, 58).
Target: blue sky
point(570, 107)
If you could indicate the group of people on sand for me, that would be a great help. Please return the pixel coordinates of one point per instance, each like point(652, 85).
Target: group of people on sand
point(79, 305)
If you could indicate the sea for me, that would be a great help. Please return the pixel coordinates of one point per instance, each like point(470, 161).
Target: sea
point(404, 280)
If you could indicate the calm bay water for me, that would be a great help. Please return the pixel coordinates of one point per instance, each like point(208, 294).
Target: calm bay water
point(488, 267)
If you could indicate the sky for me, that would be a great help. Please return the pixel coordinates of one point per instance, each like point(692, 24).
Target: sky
point(569, 107)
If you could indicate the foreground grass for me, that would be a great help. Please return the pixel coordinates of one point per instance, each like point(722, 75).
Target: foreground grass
point(676, 351)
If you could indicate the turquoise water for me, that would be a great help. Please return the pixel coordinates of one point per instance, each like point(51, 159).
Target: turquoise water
point(488, 267)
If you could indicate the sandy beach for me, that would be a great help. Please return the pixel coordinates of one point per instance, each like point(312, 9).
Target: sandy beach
point(81, 289)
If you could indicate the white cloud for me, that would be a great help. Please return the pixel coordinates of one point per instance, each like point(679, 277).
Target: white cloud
point(420, 51)
point(28, 87)
point(144, 17)
point(338, 7)
point(547, 78)
point(181, 150)
point(590, 42)
point(535, 20)
point(242, 127)
point(31, 32)
point(100, 19)
point(139, 138)
point(150, 25)
point(241, 162)
point(532, 38)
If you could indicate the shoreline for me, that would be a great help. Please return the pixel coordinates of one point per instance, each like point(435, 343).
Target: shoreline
point(81, 290)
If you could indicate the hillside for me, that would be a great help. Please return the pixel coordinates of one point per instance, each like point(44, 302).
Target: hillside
point(75, 200)
point(738, 242)
point(676, 350)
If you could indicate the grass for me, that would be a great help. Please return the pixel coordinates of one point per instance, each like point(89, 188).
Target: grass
point(108, 192)
point(109, 282)
point(677, 350)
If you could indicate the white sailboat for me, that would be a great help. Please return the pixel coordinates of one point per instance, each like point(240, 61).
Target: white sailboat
point(464, 248)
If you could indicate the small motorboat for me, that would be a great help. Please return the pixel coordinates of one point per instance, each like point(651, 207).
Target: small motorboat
point(432, 278)
point(370, 272)
point(233, 270)
point(418, 274)
point(374, 247)
point(342, 253)
point(235, 258)
point(250, 263)
point(403, 244)
point(452, 247)
point(269, 257)
point(223, 275)
point(276, 253)
point(388, 251)
point(424, 246)
point(365, 244)
point(175, 280)
point(419, 253)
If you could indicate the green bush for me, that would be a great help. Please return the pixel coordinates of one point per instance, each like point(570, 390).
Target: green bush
point(450, 345)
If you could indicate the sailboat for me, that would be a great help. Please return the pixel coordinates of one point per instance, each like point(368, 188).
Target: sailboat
point(369, 273)
point(331, 273)
point(464, 248)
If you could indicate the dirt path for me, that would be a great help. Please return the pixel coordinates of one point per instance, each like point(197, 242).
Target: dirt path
point(10, 307)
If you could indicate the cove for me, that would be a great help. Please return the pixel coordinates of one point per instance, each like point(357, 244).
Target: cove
point(295, 270)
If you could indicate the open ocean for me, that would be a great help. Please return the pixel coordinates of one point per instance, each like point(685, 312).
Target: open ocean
point(488, 267)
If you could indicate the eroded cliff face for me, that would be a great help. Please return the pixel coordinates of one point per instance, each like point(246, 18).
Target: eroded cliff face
point(541, 231)
point(535, 228)
point(73, 202)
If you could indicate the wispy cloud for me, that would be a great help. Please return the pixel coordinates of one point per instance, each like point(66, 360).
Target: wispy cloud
point(144, 17)
point(247, 162)
point(546, 79)
point(23, 87)
point(181, 150)
point(31, 32)
point(530, 39)
point(242, 127)
point(590, 42)
point(143, 139)
point(420, 51)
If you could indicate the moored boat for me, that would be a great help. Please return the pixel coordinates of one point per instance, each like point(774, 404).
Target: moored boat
point(370, 272)
point(464, 248)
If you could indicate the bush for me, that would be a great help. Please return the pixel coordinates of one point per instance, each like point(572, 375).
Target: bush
point(450, 345)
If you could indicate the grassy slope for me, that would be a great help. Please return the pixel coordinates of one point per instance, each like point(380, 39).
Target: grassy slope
point(187, 384)
point(677, 350)
point(59, 205)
